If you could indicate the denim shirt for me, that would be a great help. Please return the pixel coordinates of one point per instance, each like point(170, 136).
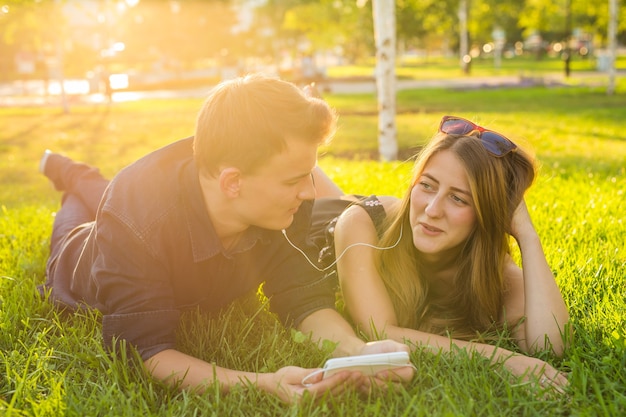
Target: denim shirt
point(153, 252)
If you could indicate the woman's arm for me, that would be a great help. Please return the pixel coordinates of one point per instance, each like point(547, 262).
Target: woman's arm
point(324, 186)
point(362, 288)
point(368, 303)
point(525, 367)
point(546, 315)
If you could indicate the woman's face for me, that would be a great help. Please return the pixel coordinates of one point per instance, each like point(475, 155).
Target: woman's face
point(442, 213)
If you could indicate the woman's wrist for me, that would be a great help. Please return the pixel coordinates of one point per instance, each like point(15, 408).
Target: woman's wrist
point(528, 236)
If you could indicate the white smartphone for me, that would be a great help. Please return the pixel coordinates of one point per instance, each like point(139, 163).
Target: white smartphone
point(367, 364)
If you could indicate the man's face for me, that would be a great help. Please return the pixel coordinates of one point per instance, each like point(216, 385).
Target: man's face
point(271, 195)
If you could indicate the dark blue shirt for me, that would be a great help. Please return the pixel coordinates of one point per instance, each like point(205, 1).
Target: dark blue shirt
point(153, 252)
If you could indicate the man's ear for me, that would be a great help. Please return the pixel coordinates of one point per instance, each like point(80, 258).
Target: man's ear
point(230, 181)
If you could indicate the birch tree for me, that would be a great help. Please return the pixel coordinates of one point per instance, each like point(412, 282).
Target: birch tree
point(385, 38)
point(612, 37)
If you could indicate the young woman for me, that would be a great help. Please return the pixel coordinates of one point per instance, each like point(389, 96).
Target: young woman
point(448, 279)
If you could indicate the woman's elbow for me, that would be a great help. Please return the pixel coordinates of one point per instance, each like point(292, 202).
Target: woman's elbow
point(557, 344)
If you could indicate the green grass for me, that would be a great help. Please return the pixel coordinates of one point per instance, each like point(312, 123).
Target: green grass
point(55, 365)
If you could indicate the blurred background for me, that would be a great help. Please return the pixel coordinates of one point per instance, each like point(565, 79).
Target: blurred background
point(107, 45)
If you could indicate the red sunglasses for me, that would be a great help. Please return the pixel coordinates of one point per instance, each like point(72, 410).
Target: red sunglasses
point(494, 143)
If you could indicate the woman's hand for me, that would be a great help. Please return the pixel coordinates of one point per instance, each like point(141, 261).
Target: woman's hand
point(521, 223)
point(393, 378)
point(535, 370)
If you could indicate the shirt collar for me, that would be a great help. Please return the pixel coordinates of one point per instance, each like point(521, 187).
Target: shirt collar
point(248, 240)
point(204, 240)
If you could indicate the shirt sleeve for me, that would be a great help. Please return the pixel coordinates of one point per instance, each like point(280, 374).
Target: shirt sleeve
point(133, 290)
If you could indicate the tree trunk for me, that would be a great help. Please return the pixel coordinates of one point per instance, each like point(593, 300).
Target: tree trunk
point(385, 37)
point(612, 36)
point(464, 55)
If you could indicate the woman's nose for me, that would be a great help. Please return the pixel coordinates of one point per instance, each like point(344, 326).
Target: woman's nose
point(434, 207)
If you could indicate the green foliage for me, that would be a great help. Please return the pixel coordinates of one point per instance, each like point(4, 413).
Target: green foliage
point(169, 36)
point(54, 364)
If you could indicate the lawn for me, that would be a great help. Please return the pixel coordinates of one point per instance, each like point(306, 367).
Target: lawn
point(437, 67)
point(52, 364)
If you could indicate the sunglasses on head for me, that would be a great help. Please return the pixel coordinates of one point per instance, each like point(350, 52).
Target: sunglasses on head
point(494, 143)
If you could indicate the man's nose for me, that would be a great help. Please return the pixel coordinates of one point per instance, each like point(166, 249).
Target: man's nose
point(307, 189)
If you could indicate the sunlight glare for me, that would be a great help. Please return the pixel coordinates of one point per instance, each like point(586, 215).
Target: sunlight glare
point(71, 87)
point(118, 81)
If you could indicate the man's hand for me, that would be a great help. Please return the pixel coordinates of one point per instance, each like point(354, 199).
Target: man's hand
point(286, 383)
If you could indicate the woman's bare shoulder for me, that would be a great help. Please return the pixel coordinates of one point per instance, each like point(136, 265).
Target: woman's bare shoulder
point(389, 202)
point(356, 214)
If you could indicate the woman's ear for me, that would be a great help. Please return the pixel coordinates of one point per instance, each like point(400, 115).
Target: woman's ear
point(230, 182)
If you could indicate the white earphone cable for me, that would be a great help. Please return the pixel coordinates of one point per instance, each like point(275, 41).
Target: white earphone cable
point(343, 252)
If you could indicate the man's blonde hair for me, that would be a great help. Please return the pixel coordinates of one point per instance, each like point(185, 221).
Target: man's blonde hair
point(247, 120)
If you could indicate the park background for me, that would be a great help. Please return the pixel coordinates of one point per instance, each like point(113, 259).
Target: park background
point(52, 364)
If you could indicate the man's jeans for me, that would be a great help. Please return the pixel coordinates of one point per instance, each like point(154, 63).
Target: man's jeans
point(83, 188)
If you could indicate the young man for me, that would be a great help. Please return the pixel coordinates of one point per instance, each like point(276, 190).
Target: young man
point(200, 223)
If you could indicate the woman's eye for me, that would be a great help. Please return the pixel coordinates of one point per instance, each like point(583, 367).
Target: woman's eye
point(458, 199)
point(425, 185)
